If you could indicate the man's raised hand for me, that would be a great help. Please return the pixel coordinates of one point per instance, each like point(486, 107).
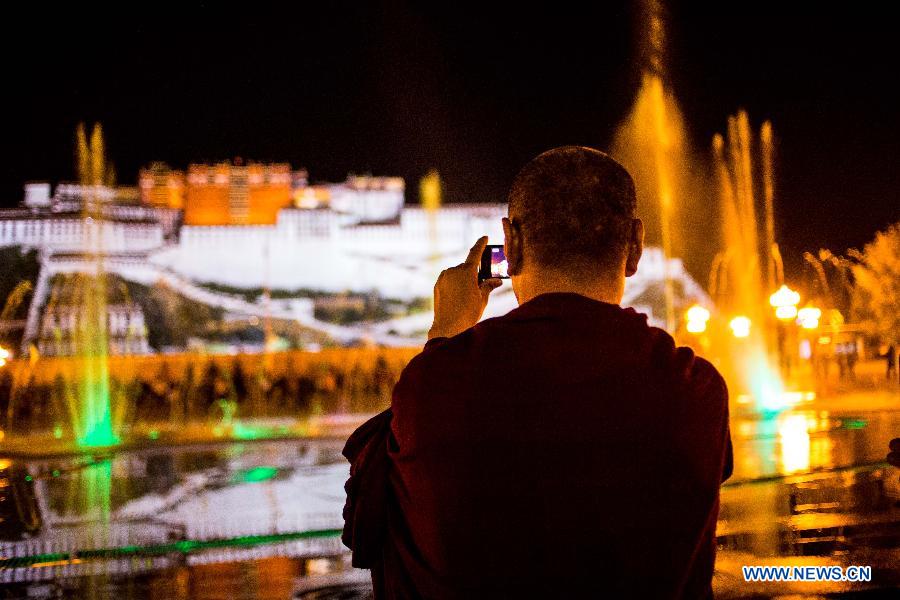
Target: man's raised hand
point(459, 300)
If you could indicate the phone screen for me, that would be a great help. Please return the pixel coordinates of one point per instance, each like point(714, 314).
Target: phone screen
point(493, 263)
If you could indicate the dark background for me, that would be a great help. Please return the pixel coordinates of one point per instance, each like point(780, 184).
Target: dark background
point(397, 89)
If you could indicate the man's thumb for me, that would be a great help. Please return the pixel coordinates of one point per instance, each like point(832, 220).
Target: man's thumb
point(489, 285)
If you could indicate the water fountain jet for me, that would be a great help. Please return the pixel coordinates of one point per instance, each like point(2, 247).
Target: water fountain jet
point(92, 411)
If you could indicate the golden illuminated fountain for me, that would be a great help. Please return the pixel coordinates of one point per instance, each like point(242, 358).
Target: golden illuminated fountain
point(743, 274)
point(653, 144)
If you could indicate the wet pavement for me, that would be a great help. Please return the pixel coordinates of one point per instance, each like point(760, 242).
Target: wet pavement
point(811, 487)
point(262, 519)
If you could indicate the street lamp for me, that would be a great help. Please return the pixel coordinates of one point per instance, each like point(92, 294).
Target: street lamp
point(808, 317)
point(4, 356)
point(740, 326)
point(785, 302)
point(697, 316)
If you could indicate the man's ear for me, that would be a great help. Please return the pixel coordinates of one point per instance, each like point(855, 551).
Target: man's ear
point(512, 246)
point(635, 247)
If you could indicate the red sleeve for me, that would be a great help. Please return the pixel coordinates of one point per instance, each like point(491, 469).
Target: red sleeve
point(719, 396)
point(703, 433)
point(412, 401)
point(728, 467)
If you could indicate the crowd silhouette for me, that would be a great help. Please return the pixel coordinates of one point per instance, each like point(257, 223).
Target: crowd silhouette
point(201, 390)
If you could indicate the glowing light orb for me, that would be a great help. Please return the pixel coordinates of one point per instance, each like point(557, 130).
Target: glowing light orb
point(697, 316)
point(697, 313)
point(696, 326)
point(786, 313)
point(740, 326)
point(785, 296)
point(808, 317)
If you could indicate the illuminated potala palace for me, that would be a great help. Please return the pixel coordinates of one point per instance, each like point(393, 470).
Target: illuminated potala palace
point(215, 230)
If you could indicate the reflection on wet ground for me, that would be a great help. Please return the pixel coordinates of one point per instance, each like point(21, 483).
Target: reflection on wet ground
point(810, 488)
point(142, 514)
point(262, 519)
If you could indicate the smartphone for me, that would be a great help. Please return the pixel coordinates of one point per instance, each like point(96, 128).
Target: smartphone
point(493, 263)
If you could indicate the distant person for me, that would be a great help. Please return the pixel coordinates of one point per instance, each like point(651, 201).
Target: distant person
point(306, 391)
point(852, 359)
point(890, 357)
point(239, 382)
point(893, 456)
point(564, 450)
point(840, 355)
point(6, 387)
point(210, 386)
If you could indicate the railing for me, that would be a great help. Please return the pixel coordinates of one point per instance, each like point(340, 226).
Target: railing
point(30, 561)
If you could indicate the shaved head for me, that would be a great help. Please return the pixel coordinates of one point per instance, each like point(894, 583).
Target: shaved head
point(574, 206)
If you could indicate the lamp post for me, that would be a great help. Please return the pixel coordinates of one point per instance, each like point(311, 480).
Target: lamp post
point(784, 301)
point(696, 317)
point(808, 317)
point(740, 326)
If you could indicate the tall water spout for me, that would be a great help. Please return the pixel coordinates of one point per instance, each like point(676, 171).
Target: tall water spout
point(651, 142)
point(92, 410)
point(742, 279)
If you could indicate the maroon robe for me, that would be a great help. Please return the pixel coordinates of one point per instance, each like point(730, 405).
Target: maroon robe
point(564, 448)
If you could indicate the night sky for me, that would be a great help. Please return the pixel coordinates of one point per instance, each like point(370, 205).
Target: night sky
point(396, 89)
